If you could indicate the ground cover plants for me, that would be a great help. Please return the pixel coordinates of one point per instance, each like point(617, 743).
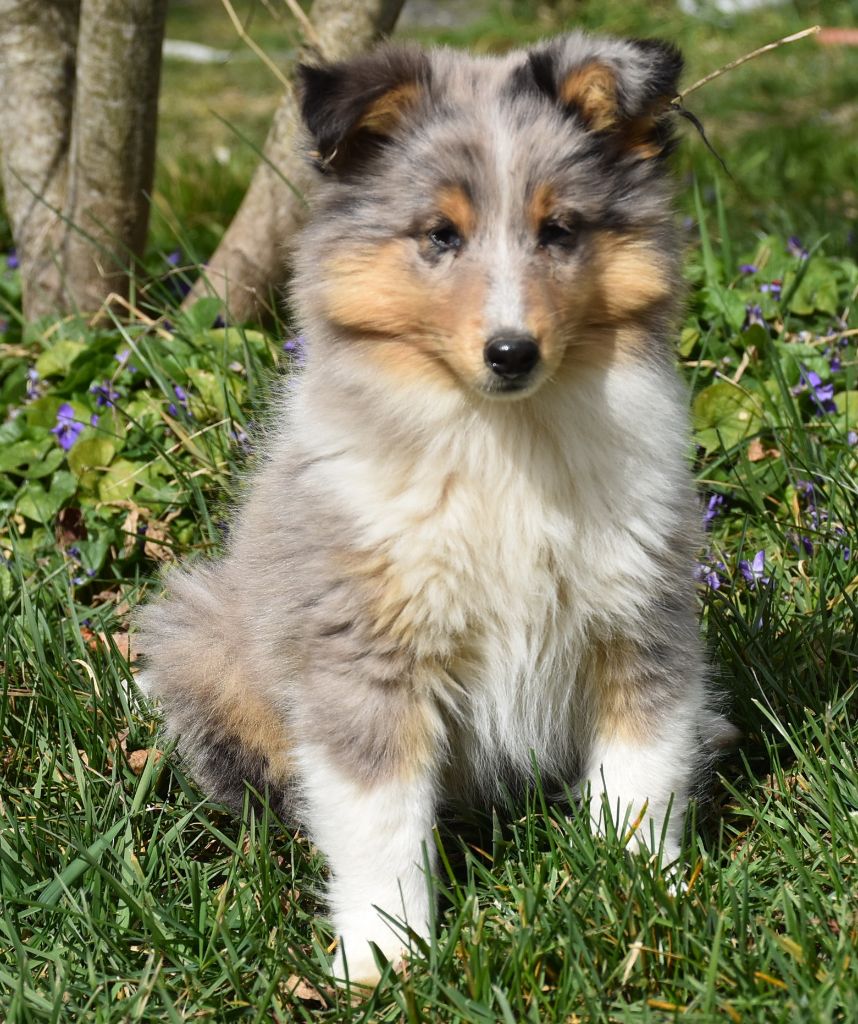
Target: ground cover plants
point(124, 895)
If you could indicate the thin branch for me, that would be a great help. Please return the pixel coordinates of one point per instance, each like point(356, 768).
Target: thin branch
point(741, 60)
point(260, 53)
point(310, 33)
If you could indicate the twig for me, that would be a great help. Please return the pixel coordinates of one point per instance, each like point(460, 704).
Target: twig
point(677, 100)
point(310, 34)
point(260, 53)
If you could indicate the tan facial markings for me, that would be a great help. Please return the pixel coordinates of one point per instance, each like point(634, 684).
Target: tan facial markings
point(541, 206)
point(428, 322)
point(455, 206)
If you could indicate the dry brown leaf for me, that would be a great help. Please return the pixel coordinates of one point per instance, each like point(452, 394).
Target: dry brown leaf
point(756, 451)
point(156, 533)
point(301, 989)
point(137, 759)
point(129, 528)
point(70, 527)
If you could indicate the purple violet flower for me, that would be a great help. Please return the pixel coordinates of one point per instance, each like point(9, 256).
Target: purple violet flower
point(181, 394)
point(753, 315)
point(713, 507)
point(754, 571)
point(773, 288)
point(12, 261)
point(93, 420)
point(852, 438)
point(174, 257)
point(822, 394)
point(747, 268)
point(835, 364)
point(68, 429)
point(795, 248)
point(104, 394)
point(122, 358)
point(34, 389)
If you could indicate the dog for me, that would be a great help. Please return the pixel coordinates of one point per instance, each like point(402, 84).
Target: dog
point(467, 554)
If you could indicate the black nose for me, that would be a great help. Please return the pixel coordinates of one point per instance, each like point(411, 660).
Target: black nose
point(511, 355)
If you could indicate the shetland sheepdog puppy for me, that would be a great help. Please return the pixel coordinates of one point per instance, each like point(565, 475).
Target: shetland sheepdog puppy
point(469, 547)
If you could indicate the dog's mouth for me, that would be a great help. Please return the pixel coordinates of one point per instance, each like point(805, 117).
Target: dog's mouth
point(494, 387)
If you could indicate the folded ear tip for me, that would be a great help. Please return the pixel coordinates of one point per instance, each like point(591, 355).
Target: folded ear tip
point(667, 63)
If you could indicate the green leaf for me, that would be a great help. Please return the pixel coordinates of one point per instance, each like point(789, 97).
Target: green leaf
point(39, 505)
point(45, 466)
point(24, 452)
point(688, 339)
point(725, 414)
point(94, 453)
point(720, 301)
point(58, 358)
point(119, 481)
point(202, 314)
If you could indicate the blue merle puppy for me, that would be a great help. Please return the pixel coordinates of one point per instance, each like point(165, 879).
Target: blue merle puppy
point(469, 547)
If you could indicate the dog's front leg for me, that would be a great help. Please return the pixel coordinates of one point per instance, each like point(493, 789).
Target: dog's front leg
point(645, 749)
point(376, 834)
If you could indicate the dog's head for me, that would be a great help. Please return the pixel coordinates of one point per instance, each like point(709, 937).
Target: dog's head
point(492, 223)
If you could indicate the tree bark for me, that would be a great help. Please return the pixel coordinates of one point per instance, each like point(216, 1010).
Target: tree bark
point(112, 160)
point(79, 80)
point(248, 269)
point(38, 39)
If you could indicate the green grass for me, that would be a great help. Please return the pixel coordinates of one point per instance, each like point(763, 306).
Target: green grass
point(125, 896)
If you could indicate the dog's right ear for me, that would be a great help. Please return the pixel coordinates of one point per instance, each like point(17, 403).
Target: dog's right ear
point(353, 106)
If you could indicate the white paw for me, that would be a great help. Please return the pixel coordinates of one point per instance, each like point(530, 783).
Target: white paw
point(355, 960)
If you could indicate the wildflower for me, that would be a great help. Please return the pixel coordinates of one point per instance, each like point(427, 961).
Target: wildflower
point(219, 321)
point(104, 394)
point(122, 358)
point(753, 315)
point(795, 248)
point(835, 363)
point(773, 288)
point(852, 438)
point(12, 261)
point(709, 574)
point(34, 389)
point(174, 257)
point(807, 544)
point(68, 429)
point(182, 397)
point(822, 394)
point(713, 507)
point(747, 268)
point(93, 420)
point(754, 571)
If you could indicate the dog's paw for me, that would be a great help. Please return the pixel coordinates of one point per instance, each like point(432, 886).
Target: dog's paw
point(355, 960)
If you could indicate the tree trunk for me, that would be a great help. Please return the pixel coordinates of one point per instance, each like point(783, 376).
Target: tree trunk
point(112, 160)
point(38, 39)
point(79, 81)
point(248, 269)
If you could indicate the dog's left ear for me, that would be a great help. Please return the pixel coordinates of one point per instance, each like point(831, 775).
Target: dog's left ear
point(354, 106)
point(619, 88)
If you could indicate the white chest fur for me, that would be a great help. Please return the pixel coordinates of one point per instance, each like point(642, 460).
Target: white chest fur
point(514, 530)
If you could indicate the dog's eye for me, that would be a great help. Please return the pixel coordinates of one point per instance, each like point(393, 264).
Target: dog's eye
point(561, 233)
point(445, 238)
